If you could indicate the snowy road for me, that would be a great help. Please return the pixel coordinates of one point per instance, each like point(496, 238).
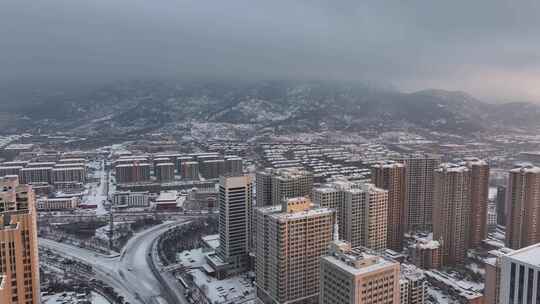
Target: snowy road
point(130, 273)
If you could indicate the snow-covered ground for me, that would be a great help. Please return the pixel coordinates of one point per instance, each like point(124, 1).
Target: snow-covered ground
point(130, 273)
point(72, 298)
point(440, 297)
point(96, 193)
point(237, 289)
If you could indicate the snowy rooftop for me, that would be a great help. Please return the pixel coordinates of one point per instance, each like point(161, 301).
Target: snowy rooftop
point(388, 164)
point(473, 161)
point(526, 169)
point(367, 187)
point(450, 167)
point(231, 290)
point(358, 263)
point(529, 255)
point(211, 240)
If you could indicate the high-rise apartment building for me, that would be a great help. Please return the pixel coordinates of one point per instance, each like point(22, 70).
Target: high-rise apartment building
point(451, 212)
point(520, 276)
point(263, 188)
point(479, 179)
point(523, 207)
point(290, 239)
point(391, 176)
point(332, 196)
point(132, 172)
point(235, 204)
point(18, 243)
point(420, 172)
point(274, 185)
point(365, 217)
point(189, 170)
point(361, 212)
point(413, 285)
point(164, 172)
point(425, 253)
point(351, 277)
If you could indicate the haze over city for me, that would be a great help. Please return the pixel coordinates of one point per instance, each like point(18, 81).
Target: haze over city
point(486, 48)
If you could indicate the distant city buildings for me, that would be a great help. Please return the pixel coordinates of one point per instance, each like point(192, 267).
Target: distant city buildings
point(289, 240)
point(523, 207)
point(131, 199)
point(163, 168)
point(58, 204)
point(132, 173)
point(19, 263)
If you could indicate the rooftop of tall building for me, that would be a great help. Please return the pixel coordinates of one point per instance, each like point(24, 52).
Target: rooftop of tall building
point(451, 167)
point(355, 262)
point(388, 164)
point(529, 255)
point(292, 208)
point(290, 172)
point(523, 169)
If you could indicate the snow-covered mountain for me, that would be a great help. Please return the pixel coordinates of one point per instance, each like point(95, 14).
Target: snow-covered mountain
point(280, 105)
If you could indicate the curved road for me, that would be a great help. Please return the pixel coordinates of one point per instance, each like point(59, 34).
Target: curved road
point(130, 273)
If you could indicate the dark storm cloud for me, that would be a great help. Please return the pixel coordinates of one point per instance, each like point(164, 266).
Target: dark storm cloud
point(489, 48)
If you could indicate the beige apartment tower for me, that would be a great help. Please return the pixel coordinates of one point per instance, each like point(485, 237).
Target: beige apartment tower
point(523, 207)
point(290, 239)
point(19, 265)
point(361, 210)
point(365, 217)
point(332, 196)
point(274, 185)
point(391, 176)
point(420, 172)
point(349, 277)
point(451, 212)
point(479, 172)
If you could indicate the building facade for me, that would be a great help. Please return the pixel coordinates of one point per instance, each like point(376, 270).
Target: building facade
point(18, 243)
point(235, 201)
point(452, 211)
point(420, 177)
point(523, 207)
point(520, 276)
point(365, 217)
point(501, 205)
point(290, 239)
point(58, 204)
point(479, 179)
point(274, 185)
point(391, 176)
point(349, 277)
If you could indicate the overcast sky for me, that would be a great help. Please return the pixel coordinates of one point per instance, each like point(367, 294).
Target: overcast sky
point(489, 48)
